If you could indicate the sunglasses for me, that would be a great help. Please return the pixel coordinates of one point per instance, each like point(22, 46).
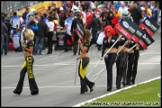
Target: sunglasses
point(108, 31)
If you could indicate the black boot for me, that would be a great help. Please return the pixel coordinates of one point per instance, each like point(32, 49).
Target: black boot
point(17, 92)
point(34, 93)
point(91, 89)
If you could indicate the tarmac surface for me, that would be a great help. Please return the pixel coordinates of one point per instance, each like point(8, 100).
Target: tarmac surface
point(55, 76)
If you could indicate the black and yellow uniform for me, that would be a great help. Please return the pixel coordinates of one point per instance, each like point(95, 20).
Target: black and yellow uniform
point(83, 65)
point(121, 64)
point(27, 67)
point(130, 63)
point(109, 58)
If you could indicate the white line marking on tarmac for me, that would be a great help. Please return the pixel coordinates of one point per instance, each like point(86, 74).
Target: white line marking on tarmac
point(83, 103)
point(53, 87)
point(67, 64)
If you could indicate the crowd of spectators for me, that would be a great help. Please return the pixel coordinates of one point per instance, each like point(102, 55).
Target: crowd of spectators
point(95, 16)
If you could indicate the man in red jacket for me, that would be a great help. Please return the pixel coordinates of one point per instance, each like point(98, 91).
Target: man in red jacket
point(89, 16)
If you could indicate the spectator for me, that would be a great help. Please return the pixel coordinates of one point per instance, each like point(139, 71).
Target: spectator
point(42, 32)
point(89, 16)
point(50, 25)
point(76, 4)
point(126, 16)
point(34, 27)
point(68, 10)
point(83, 15)
point(115, 12)
point(139, 4)
point(16, 40)
point(6, 35)
point(104, 15)
point(66, 4)
point(136, 14)
point(62, 17)
point(122, 8)
point(21, 19)
point(45, 16)
point(10, 15)
point(95, 24)
point(145, 5)
point(68, 23)
point(3, 31)
point(144, 14)
point(25, 14)
point(118, 5)
point(154, 11)
point(55, 15)
point(130, 7)
point(84, 5)
point(15, 23)
point(109, 5)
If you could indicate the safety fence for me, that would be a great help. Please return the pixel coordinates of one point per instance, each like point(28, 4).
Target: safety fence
point(20, 6)
point(7, 6)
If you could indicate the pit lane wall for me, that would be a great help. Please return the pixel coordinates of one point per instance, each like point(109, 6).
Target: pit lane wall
point(42, 6)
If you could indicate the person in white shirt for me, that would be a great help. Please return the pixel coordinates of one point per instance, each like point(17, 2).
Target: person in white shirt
point(68, 35)
point(50, 25)
point(122, 8)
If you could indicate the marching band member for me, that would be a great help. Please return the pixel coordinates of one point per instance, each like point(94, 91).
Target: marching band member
point(84, 62)
point(108, 41)
point(28, 65)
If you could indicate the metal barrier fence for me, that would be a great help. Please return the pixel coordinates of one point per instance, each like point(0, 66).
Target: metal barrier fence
point(7, 6)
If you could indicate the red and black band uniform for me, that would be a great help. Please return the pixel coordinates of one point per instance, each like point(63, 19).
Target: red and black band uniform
point(135, 66)
point(130, 62)
point(83, 65)
point(27, 67)
point(109, 58)
point(121, 63)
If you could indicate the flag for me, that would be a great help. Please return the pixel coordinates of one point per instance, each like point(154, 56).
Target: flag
point(132, 31)
point(150, 26)
point(79, 30)
point(146, 40)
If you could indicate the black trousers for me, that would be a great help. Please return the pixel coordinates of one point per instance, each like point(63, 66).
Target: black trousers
point(94, 36)
point(121, 68)
point(75, 44)
point(66, 38)
point(27, 67)
point(129, 67)
point(109, 61)
point(49, 40)
point(84, 82)
point(134, 72)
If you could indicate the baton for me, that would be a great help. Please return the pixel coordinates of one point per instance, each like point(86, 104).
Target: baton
point(118, 53)
point(132, 47)
point(99, 73)
point(76, 67)
point(104, 56)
